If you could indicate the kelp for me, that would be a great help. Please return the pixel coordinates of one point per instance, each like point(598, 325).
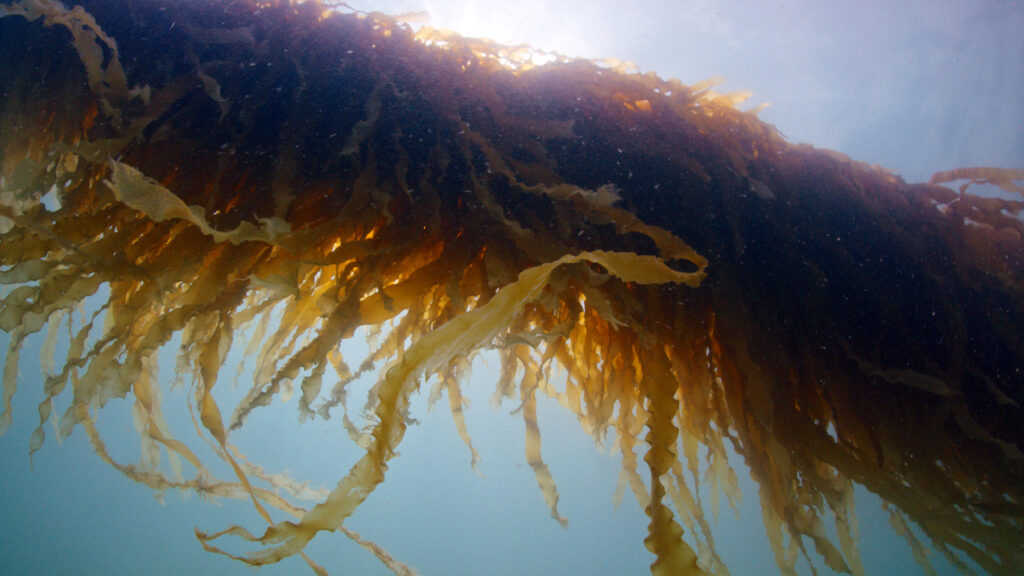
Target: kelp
point(1001, 177)
point(301, 176)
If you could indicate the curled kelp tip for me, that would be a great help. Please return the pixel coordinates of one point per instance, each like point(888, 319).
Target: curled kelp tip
point(698, 280)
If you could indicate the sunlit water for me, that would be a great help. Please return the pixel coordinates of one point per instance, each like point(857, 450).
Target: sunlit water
point(70, 513)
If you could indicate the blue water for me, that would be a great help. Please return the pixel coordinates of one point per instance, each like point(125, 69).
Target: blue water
point(73, 514)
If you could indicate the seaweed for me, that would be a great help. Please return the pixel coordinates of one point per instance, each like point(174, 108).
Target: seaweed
point(299, 174)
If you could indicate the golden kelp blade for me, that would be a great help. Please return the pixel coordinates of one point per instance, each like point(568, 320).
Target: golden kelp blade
point(1001, 177)
point(458, 338)
point(310, 173)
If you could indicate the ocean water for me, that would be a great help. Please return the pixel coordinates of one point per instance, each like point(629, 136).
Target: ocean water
point(72, 514)
point(915, 89)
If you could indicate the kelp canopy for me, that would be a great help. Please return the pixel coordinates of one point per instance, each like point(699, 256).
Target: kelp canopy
point(303, 173)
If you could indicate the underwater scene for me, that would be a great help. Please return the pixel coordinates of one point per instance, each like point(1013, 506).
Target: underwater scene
point(441, 288)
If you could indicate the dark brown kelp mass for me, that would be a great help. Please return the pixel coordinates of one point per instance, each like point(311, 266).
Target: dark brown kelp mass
point(302, 172)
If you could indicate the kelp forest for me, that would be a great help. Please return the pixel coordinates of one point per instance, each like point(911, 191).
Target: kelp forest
point(283, 177)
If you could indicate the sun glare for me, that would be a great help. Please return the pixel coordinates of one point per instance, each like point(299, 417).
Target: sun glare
point(527, 22)
point(545, 28)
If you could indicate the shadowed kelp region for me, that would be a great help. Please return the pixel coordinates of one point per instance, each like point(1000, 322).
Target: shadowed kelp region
point(298, 174)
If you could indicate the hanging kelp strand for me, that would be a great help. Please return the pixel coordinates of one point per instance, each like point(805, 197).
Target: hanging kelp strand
point(288, 178)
